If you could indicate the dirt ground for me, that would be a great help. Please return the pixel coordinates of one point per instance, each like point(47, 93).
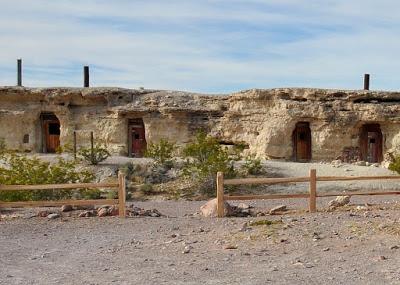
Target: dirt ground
point(347, 246)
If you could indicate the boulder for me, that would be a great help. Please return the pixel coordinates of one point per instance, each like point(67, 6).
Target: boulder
point(102, 212)
point(209, 209)
point(339, 201)
point(66, 208)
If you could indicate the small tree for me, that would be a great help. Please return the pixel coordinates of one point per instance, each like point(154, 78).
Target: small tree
point(94, 156)
point(204, 158)
point(161, 152)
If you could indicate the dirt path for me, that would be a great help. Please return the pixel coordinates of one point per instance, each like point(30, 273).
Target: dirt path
point(343, 247)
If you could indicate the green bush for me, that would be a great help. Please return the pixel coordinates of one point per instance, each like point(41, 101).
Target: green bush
point(395, 164)
point(94, 157)
point(2, 146)
point(204, 158)
point(23, 170)
point(252, 166)
point(161, 152)
point(147, 189)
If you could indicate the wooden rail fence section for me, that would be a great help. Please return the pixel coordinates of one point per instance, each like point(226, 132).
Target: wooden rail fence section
point(121, 201)
point(312, 195)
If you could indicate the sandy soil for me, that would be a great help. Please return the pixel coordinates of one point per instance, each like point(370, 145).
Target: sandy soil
point(347, 246)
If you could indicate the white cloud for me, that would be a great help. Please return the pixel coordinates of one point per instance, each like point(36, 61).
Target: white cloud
point(207, 46)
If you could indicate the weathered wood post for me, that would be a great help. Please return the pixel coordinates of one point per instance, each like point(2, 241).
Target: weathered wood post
point(19, 72)
point(220, 194)
point(86, 76)
point(121, 195)
point(313, 191)
point(366, 81)
point(75, 145)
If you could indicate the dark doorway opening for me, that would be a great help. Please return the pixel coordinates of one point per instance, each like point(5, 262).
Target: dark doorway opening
point(301, 139)
point(371, 143)
point(136, 138)
point(50, 132)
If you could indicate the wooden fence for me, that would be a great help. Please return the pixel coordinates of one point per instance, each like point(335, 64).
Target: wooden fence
point(120, 185)
point(312, 195)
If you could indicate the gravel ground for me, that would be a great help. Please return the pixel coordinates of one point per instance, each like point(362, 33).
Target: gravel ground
point(356, 244)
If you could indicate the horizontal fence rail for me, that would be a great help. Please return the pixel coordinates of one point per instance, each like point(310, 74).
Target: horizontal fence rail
point(312, 195)
point(121, 201)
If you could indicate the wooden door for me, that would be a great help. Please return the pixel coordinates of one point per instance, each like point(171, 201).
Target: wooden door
point(371, 143)
point(302, 142)
point(52, 135)
point(138, 141)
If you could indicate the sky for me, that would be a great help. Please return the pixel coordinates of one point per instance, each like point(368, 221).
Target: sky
point(209, 46)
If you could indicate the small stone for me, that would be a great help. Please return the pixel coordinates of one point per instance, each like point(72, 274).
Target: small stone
point(43, 214)
point(326, 249)
point(186, 249)
point(66, 208)
point(381, 257)
point(87, 214)
point(53, 216)
point(230, 246)
point(394, 247)
point(275, 210)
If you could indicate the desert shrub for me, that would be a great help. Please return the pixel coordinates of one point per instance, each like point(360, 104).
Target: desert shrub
point(161, 152)
point(146, 189)
point(65, 148)
point(23, 170)
point(252, 166)
point(2, 146)
point(204, 158)
point(395, 164)
point(94, 157)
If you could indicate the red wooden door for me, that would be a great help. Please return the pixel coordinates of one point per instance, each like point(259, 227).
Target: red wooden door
point(138, 140)
point(52, 135)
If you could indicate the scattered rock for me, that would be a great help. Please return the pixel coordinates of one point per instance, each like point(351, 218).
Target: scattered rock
point(326, 249)
point(394, 247)
point(278, 209)
point(360, 163)
point(230, 246)
point(382, 257)
point(136, 211)
point(187, 249)
point(66, 208)
point(102, 212)
point(209, 209)
point(87, 213)
point(43, 214)
point(53, 216)
point(339, 201)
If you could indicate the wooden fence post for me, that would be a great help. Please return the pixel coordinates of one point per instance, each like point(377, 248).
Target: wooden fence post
point(220, 195)
point(313, 191)
point(121, 195)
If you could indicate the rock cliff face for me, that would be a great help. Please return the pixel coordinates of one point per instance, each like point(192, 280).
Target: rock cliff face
point(277, 123)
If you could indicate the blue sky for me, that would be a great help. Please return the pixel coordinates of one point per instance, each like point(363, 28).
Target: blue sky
point(212, 46)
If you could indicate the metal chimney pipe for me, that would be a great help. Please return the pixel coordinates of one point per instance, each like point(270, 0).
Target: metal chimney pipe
point(366, 81)
point(19, 72)
point(86, 76)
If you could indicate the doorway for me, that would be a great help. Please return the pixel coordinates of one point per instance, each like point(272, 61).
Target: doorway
point(302, 142)
point(50, 132)
point(371, 143)
point(136, 138)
